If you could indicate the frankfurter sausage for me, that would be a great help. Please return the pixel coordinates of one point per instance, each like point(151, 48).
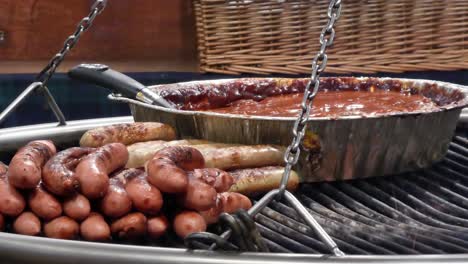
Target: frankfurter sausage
point(130, 227)
point(166, 169)
point(261, 180)
point(199, 196)
point(12, 202)
point(237, 157)
point(58, 174)
point(188, 222)
point(95, 228)
point(26, 166)
point(117, 202)
point(127, 134)
point(77, 207)
point(140, 153)
point(92, 172)
point(28, 224)
point(217, 178)
point(157, 226)
point(62, 227)
point(145, 197)
point(43, 204)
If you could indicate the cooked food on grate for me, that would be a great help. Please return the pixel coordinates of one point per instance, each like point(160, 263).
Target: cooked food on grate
point(87, 193)
point(127, 134)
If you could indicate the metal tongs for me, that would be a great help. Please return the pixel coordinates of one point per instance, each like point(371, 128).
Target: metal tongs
point(293, 151)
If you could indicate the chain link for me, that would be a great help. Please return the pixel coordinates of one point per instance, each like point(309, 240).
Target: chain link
point(45, 75)
point(319, 63)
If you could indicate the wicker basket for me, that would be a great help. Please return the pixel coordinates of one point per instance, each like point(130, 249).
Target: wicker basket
point(281, 36)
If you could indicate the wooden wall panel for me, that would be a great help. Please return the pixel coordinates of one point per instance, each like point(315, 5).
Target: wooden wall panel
point(126, 30)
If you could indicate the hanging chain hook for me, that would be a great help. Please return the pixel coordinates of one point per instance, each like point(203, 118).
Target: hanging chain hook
point(44, 76)
point(319, 63)
point(70, 42)
point(292, 153)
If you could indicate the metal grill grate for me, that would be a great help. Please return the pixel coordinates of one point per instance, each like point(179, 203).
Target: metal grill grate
point(424, 212)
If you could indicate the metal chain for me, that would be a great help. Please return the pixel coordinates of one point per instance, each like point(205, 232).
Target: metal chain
point(70, 42)
point(44, 76)
point(319, 63)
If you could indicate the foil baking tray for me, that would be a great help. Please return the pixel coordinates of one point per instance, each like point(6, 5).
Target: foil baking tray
point(342, 148)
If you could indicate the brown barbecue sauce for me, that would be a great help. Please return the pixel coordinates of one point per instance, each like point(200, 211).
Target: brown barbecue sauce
point(332, 104)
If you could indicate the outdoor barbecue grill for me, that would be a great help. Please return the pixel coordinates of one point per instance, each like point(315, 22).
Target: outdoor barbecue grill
point(417, 217)
point(412, 217)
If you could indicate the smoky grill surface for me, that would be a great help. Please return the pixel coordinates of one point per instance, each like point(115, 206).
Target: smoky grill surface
point(424, 212)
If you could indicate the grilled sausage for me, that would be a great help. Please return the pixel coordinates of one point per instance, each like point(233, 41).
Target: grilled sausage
point(232, 202)
point(92, 172)
point(43, 204)
point(117, 202)
point(12, 202)
point(145, 197)
point(235, 157)
point(77, 207)
point(58, 174)
point(140, 153)
point(26, 166)
point(95, 228)
point(217, 178)
point(226, 202)
point(188, 222)
point(261, 180)
point(216, 155)
point(127, 134)
point(130, 227)
point(62, 227)
point(157, 226)
point(199, 196)
point(166, 169)
point(28, 224)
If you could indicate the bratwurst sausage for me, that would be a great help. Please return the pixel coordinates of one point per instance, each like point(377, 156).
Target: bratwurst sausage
point(95, 228)
point(43, 204)
point(62, 227)
point(92, 172)
point(12, 202)
point(26, 166)
point(217, 178)
point(130, 227)
point(157, 226)
point(188, 222)
point(77, 207)
point(145, 197)
point(140, 153)
point(226, 202)
point(58, 174)
point(166, 170)
point(261, 180)
point(127, 134)
point(28, 224)
point(117, 202)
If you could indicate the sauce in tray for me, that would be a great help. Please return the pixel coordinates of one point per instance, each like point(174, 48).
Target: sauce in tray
point(332, 104)
point(337, 97)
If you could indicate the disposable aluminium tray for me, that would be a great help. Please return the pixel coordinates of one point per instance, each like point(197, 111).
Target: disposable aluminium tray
point(343, 148)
